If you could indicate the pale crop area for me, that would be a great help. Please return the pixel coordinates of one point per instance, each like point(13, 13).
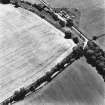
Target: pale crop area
point(79, 84)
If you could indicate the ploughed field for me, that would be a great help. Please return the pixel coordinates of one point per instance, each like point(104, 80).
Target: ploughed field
point(79, 84)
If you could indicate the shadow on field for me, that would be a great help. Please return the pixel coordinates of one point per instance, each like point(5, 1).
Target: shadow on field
point(77, 85)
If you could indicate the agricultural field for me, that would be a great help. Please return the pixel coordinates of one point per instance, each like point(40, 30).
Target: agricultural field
point(92, 19)
point(27, 48)
point(79, 84)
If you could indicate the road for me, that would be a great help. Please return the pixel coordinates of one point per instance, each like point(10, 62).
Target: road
point(92, 20)
point(77, 85)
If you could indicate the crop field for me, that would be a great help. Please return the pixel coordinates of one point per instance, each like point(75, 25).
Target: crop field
point(36, 45)
point(77, 85)
point(27, 49)
point(92, 19)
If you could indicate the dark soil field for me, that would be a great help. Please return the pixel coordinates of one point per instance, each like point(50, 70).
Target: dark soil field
point(92, 16)
point(92, 19)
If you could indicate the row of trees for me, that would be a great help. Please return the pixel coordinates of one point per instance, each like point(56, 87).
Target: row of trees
point(96, 57)
point(69, 35)
point(20, 94)
point(4, 1)
point(40, 7)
